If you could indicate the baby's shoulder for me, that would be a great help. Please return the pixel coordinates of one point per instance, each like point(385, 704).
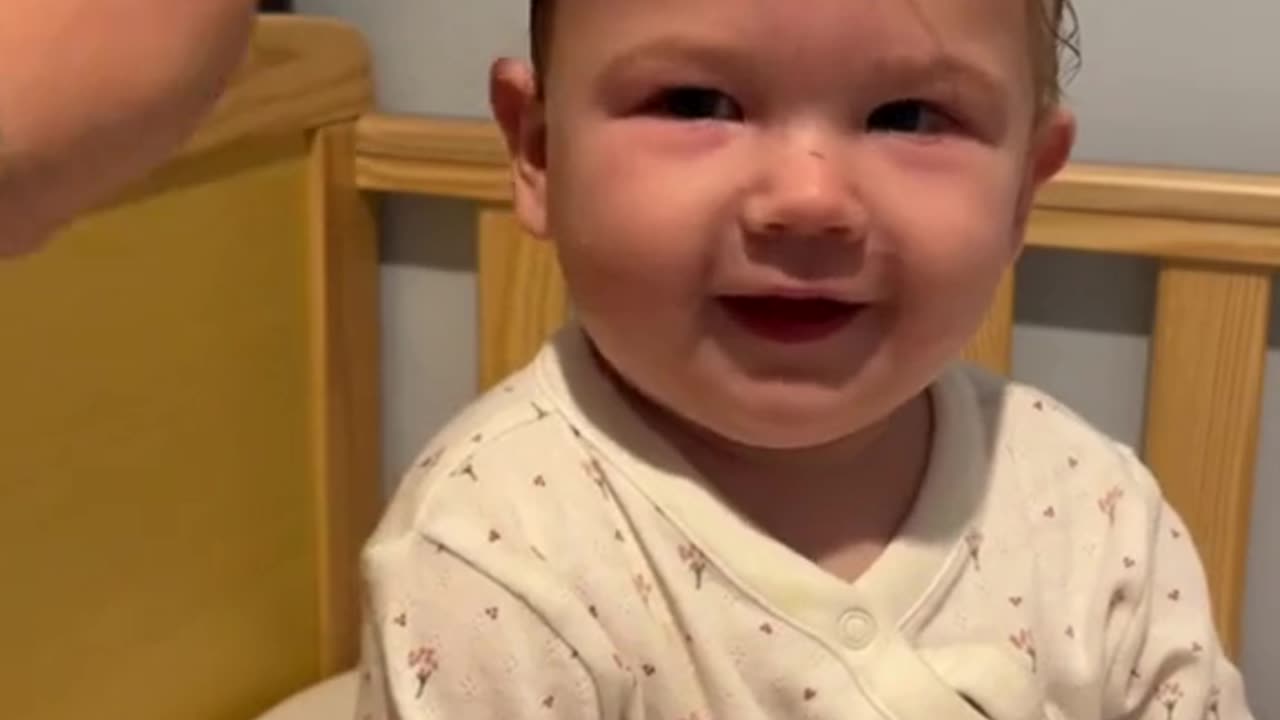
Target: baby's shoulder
point(1050, 449)
point(510, 466)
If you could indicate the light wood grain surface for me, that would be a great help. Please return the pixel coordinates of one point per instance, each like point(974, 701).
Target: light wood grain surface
point(345, 369)
point(992, 346)
point(445, 158)
point(1204, 399)
point(1166, 193)
point(522, 294)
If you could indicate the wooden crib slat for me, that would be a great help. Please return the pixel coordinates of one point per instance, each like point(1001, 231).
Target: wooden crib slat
point(343, 255)
point(1203, 414)
point(992, 346)
point(522, 296)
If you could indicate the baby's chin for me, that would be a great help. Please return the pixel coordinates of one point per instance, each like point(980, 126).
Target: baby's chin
point(789, 421)
point(789, 436)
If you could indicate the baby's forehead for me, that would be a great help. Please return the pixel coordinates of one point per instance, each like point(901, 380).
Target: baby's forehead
point(850, 23)
point(994, 33)
point(696, 11)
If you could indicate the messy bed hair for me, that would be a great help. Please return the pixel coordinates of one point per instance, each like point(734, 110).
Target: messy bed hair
point(1054, 37)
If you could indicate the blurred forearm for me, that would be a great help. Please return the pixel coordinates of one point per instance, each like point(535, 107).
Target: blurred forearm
point(95, 93)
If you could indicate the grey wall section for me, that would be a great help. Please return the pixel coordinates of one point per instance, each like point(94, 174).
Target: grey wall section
point(1180, 82)
point(1164, 82)
point(432, 57)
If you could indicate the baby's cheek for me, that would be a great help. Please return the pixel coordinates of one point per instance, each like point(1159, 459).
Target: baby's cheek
point(631, 231)
point(948, 284)
point(966, 239)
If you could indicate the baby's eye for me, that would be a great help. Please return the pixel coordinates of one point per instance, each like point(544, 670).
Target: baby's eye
point(909, 116)
point(695, 103)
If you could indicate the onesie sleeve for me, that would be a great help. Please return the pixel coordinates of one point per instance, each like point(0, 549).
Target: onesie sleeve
point(1169, 664)
point(442, 640)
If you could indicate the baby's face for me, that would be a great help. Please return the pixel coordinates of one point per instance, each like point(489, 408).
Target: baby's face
point(781, 219)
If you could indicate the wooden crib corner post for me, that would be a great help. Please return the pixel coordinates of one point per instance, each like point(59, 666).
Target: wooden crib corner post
point(991, 346)
point(522, 298)
point(346, 449)
point(1204, 414)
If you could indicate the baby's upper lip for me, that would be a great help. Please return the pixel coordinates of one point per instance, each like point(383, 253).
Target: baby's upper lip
point(845, 295)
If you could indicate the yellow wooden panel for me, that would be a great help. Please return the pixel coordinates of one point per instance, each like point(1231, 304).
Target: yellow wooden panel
point(522, 295)
point(992, 346)
point(344, 289)
point(157, 506)
point(1208, 356)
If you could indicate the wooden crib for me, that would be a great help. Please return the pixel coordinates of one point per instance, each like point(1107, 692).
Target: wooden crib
point(189, 441)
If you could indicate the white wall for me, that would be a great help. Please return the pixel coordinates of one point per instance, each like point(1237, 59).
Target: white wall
point(1180, 82)
point(432, 57)
point(1172, 82)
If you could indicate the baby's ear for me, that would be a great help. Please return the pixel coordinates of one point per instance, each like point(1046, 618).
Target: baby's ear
point(1051, 145)
point(520, 113)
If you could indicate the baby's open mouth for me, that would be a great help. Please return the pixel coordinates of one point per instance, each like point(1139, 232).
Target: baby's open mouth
point(790, 320)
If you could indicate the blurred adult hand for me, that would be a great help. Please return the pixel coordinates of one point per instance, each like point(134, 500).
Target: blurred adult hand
point(96, 93)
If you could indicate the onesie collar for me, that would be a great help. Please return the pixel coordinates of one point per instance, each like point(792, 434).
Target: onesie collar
point(914, 571)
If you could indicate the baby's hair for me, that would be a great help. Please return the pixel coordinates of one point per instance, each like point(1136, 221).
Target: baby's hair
point(1055, 34)
point(1055, 39)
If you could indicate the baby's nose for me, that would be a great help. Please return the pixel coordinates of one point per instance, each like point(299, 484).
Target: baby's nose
point(803, 193)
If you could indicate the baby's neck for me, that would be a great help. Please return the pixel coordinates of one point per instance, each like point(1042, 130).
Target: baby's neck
point(838, 505)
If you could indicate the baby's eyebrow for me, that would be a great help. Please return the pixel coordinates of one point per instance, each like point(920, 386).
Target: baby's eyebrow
point(679, 49)
point(945, 70)
point(936, 69)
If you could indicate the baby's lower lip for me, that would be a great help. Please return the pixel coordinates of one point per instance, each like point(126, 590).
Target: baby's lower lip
point(790, 320)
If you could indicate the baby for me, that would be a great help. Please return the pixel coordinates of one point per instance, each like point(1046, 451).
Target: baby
point(751, 480)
